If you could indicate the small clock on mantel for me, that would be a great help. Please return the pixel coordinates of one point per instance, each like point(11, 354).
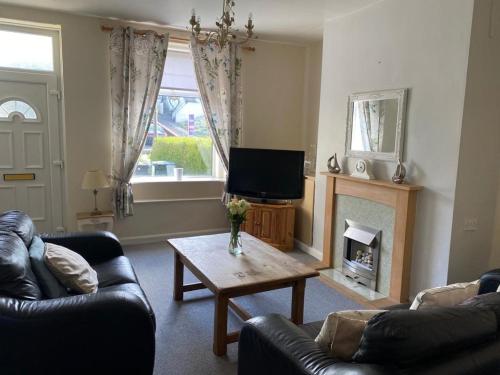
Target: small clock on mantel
point(362, 170)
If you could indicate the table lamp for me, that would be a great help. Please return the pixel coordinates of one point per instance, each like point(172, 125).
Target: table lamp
point(93, 180)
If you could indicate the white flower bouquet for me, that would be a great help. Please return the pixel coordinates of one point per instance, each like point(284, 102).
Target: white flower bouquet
point(237, 214)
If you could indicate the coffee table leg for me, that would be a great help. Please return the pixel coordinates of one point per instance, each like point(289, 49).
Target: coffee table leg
point(178, 277)
point(298, 290)
point(220, 324)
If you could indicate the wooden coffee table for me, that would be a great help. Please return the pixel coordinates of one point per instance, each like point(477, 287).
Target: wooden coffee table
point(260, 268)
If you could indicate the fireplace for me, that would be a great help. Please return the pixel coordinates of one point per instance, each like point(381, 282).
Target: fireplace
point(361, 253)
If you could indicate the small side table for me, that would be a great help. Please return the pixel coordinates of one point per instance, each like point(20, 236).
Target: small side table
point(87, 222)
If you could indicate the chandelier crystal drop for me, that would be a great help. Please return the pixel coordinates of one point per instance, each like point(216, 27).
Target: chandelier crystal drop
point(224, 32)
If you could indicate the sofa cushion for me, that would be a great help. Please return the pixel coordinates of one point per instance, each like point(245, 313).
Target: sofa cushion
point(406, 337)
point(49, 285)
point(19, 223)
point(445, 296)
point(70, 269)
point(490, 281)
point(312, 329)
point(488, 300)
point(16, 277)
point(115, 271)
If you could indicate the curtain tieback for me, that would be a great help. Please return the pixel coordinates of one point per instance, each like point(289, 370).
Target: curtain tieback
point(121, 180)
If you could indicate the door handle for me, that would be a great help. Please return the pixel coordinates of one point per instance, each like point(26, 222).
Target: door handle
point(59, 163)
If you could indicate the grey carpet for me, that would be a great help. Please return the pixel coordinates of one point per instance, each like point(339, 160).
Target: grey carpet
point(184, 329)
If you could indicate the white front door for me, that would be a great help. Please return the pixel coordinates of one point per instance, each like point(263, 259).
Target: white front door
point(30, 147)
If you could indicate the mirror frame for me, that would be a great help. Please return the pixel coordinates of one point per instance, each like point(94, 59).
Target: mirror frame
point(399, 94)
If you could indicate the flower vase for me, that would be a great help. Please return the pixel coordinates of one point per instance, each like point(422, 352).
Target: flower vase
point(235, 246)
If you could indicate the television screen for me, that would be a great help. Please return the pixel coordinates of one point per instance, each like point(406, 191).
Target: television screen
point(266, 174)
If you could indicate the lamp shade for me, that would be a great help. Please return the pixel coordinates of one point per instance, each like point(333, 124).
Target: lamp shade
point(94, 180)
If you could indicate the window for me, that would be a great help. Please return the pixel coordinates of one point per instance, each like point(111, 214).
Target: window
point(178, 136)
point(15, 107)
point(22, 50)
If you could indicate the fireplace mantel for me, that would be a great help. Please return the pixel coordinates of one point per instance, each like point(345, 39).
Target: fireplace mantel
point(401, 197)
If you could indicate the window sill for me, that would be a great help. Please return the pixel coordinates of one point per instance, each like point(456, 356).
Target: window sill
point(141, 180)
point(151, 189)
point(173, 200)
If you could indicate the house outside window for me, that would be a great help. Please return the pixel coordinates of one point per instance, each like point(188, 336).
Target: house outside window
point(178, 136)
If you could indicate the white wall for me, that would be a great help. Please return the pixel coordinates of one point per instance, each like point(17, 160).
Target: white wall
point(273, 81)
point(312, 100)
point(477, 182)
point(273, 117)
point(422, 45)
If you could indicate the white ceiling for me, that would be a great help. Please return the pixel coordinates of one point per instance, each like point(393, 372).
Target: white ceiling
point(291, 20)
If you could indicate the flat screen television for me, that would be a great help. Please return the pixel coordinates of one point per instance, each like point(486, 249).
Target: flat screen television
point(266, 174)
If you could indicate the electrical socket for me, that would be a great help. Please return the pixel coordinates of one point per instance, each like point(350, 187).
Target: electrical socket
point(470, 223)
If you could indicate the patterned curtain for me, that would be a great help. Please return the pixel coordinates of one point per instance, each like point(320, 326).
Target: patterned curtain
point(218, 73)
point(137, 63)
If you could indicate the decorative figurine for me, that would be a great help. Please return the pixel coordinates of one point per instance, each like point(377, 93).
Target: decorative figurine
point(399, 174)
point(335, 168)
point(362, 170)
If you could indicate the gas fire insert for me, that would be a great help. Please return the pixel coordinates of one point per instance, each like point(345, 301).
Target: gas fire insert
point(361, 253)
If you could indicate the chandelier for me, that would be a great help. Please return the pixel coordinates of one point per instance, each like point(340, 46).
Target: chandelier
point(224, 33)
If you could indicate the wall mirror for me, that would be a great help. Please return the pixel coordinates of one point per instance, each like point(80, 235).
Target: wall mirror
point(375, 124)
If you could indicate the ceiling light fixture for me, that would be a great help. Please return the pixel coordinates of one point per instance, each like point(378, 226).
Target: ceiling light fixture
point(224, 33)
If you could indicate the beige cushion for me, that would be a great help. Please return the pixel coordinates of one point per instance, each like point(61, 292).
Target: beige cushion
point(70, 269)
point(445, 296)
point(341, 332)
point(498, 289)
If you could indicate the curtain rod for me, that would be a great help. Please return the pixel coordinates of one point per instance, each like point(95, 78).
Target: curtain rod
point(172, 38)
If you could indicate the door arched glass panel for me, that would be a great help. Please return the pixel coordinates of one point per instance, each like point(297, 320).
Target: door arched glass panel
point(13, 107)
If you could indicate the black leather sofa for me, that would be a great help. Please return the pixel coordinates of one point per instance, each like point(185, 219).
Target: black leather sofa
point(462, 340)
point(108, 332)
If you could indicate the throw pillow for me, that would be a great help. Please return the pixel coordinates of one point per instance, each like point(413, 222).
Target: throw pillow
point(70, 269)
point(498, 289)
point(408, 338)
point(445, 296)
point(48, 283)
point(342, 331)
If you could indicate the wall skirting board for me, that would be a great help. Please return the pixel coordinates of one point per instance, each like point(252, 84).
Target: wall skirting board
point(318, 254)
point(152, 238)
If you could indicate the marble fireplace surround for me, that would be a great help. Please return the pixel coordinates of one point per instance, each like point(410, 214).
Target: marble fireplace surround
point(402, 198)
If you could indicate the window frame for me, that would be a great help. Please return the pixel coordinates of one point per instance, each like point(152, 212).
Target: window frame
point(218, 171)
point(51, 31)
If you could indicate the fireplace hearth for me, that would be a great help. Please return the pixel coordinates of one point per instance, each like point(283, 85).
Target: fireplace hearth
point(361, 253)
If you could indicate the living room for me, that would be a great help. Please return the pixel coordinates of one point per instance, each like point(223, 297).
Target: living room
point(433, 200)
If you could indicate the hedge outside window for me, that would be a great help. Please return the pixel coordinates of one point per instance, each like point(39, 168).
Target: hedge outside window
point(178, 136)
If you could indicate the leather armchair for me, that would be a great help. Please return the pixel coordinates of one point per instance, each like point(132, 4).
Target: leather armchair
point(106, 332)
point(274, 345)
point(109, 332)
point(467, 337)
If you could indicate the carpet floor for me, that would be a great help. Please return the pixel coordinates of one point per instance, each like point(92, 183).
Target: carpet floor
point(184, 329)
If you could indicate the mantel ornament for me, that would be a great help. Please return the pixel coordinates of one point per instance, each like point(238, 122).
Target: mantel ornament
point(335, 168)
point(362, 170)
point(399, 173)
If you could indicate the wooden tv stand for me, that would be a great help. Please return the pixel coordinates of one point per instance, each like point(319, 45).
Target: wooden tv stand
point(272, 223)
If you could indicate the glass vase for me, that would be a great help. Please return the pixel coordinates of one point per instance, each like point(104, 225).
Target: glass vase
point(235, 246)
